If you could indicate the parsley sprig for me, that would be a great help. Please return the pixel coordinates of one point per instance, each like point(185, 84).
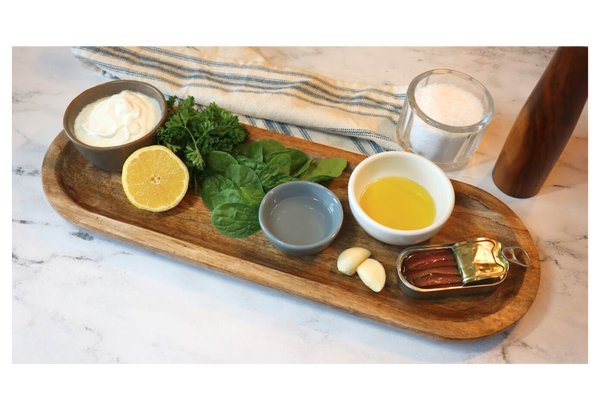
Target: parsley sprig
point(192, 134)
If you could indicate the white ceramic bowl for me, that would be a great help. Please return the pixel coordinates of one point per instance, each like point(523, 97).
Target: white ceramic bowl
point(408, 165)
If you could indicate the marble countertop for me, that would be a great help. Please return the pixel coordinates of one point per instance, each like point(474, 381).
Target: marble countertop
point(79, 297)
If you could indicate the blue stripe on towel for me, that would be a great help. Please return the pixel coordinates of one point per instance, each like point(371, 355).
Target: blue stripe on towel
point(304, 133)
point(284, 128)
point(306, 88)
point(113, 68)
point(162, 51)
point(358, 145)
point(376, 147)
point(251, 120)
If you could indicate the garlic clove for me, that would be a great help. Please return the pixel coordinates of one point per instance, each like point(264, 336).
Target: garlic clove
point(351, 258)
point(372, 273)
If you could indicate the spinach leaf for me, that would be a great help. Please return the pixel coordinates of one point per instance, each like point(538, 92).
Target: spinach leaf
point(324, 169)
point(270, 146)
point(218, 161)
point(242, 176)
point(252, 197)
point(285, 178)
point(277, 170)
point(228, 196)
point(268, 175)
point(282, 162)
point(303, 168)
point(211, 186)
point(244, 195)
point(253, 151)
point(297, 159)
point(236, 220)
point(249, 162)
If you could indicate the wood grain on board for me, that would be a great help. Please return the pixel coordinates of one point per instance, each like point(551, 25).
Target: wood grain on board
point(94, 200)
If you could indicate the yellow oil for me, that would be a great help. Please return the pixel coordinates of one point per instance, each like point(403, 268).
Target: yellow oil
point(398, 203)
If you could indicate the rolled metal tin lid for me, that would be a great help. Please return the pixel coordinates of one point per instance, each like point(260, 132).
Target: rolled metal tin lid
point(483, 264)
point(480, 260)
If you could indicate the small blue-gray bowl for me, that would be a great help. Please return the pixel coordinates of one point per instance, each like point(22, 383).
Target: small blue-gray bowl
point(301, 217)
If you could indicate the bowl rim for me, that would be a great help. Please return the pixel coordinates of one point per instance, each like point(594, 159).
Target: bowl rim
point(73, 138)
point(335, 229)
point(355, 205)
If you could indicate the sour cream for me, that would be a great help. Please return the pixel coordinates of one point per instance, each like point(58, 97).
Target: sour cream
point(118, 119)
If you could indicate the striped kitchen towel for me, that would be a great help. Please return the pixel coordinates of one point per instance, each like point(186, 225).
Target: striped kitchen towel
point(355, 117)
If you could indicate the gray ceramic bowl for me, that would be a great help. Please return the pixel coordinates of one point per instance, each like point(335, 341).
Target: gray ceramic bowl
point(300, 217)
point(111, 158)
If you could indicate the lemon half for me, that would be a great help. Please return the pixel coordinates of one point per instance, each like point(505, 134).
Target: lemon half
point(155, 179)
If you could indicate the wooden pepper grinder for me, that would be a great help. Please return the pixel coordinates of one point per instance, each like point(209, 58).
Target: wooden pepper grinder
point(544, 125)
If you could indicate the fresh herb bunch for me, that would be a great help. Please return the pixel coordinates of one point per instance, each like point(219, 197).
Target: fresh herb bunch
point(192, 134)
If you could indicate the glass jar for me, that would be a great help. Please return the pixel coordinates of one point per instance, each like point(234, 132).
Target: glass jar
point(448, 145)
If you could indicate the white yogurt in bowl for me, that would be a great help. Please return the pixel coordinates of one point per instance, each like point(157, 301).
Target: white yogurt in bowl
point(117, 119)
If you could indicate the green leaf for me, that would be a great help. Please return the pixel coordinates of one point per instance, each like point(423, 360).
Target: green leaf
point(285, 178)
point(271, 146)
point(282, 162)
point(219, 161)
point(324, 169)
point(228, 196)
point(249, 162)
point(303, 168)
point(297, 159)
point(236, 220)
point(253, 151)
point(251, 196)
point(213, 185)
point(193, 157)
point(268, 175)
point(242, 176)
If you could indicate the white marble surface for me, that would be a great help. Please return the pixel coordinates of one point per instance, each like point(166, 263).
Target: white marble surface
point(81, 298)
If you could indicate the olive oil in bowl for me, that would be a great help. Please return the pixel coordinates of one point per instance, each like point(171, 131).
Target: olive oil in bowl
point(398, 203)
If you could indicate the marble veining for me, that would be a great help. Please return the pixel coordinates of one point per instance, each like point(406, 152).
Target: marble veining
point(78, 297)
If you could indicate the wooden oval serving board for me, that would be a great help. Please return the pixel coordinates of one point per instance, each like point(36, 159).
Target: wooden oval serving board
point(94, 200)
